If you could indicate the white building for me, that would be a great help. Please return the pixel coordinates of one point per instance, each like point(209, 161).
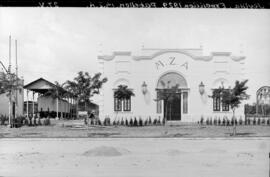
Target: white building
point(157, 69)
point(4, 101)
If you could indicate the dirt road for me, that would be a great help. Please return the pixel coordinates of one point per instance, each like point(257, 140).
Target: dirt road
point(236, 157)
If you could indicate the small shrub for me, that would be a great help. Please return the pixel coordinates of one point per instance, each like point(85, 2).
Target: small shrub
point(207, 121)
point(145, 122)
point(263, 121)
point(155, 122)
point(201, 121)
point(224, 121)
point(150, 121)
point(268, 121)
point(232, 121)
point(122, 122)
point(248, 121)
point(215, 121)
point(240, 121)
point(259, 121)
point(158, 121)
point(227, 122)
point(219, 121)
point(254, 121)
point(107, 121)
point(126, 122)
point(131, 122)
point(140, 122)
point(163, 120)
point(135, 122)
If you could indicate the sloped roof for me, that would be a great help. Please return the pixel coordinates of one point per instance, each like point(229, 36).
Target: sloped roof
point(40, 86)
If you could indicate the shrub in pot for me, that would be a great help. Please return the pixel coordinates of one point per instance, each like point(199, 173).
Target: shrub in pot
point(135, 123)
point(131, 122)
point(150, 121)
point(259, 121)
point(232, 121)
point(163, 120)
point(263, 121)
point(145, 122)
point(201, 121)
point(122, 122)
point(240, 121)
point(126, 122)
point(254, 121)
point(224, 121)
point(215, 121)
point(210, 121)
point(268, 121)
point(249, 121)
point(155, 122)
point(219, 121)
point(227, 122)
point(140, 122)
point(207, 121)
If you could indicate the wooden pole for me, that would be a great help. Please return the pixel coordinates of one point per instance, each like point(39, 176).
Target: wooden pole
point(16, 101)
point(10, 91)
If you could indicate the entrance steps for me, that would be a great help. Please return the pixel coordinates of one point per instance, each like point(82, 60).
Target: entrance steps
point(178, 123)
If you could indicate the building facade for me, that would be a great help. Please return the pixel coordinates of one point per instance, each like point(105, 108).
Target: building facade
point(187, 76)
point(15, 97)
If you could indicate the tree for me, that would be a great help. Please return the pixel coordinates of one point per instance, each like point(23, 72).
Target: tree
point(8, 84)
point(83, 87)
point(233, 97)
point(167, 95)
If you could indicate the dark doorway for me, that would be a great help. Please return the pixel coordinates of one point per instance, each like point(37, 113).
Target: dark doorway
point(172, 107)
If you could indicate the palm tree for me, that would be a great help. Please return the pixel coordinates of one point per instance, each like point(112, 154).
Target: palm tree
point(83, 87)
point(57, 92)
point(122, 92)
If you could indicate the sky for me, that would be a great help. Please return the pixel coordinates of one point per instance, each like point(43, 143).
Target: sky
point(56, 43)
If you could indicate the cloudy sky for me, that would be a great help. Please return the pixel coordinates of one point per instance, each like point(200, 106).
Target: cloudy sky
point(56, 43)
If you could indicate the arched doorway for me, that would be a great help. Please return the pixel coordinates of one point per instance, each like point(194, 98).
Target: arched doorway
point(172, 91)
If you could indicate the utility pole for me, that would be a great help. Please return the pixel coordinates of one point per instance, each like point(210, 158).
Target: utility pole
point(16, 100)
point(9, 78)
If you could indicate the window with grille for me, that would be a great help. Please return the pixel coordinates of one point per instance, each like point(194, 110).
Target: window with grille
point(117, 104)
point(127, 104)
point(216, 103)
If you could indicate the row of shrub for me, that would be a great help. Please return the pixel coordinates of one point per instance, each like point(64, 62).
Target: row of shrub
point(226, 122)
point(21, 121)
point(131, 122)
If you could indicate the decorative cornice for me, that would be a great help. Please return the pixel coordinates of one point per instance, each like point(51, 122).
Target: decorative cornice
point(110, 57)
point(182, 51)
point(221, 53)
point(163, 51)
point(238, 58)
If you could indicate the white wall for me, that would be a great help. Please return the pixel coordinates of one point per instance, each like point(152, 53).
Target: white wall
point(4, 102)
point(48, 102)
point(123, 68)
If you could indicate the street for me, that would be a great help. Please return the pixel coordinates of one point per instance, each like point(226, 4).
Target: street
point(223, 157)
